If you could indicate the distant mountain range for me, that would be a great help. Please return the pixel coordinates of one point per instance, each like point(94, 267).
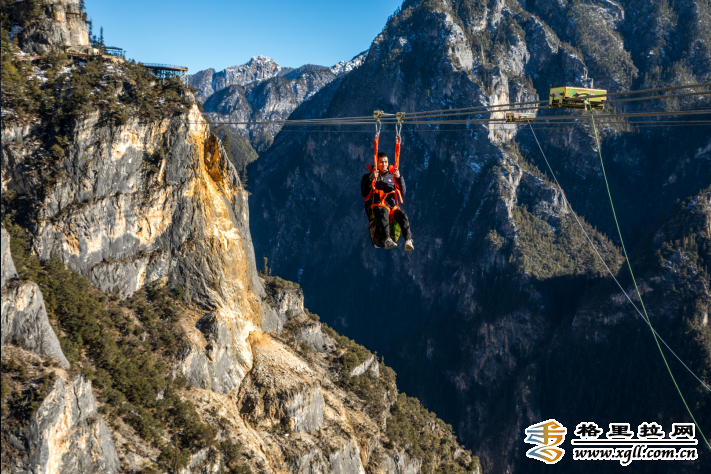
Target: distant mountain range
point(258, 69)
point(260, 90)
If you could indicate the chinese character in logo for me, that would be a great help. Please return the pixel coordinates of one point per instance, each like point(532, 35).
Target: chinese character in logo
point(547, 435)
point(619, 430)
point(588, 430)
point(683, 430)
point(650, 431)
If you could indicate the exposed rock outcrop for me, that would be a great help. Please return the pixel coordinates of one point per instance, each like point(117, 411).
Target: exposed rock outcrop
point(24, 318)
point(59, 24)
point(68, 431)
point(313, 337)
point(25, 323)
point(283, 303)
point(8, 266)
point(342, 459)
point(66, 434)
point(221, 363)
point(280, 389)
point(396, 462)
point(371, 363)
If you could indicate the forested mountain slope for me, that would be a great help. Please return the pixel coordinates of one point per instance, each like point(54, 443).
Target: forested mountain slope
point(503, 316)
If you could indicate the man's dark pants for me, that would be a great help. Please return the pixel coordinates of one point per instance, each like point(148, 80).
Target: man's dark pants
point(382, 219)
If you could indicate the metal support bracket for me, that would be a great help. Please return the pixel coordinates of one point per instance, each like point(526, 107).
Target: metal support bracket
point(377, 114)
point(398, 127)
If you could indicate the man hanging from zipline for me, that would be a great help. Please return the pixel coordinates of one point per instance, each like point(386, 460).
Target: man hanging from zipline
point(383, 189)
point(382, 205)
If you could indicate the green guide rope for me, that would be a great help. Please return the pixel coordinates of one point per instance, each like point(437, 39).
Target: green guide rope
point(629, 266)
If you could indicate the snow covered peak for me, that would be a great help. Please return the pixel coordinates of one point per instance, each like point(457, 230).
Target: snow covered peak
point(260, 60)
point(344, 67)
point(257, 69)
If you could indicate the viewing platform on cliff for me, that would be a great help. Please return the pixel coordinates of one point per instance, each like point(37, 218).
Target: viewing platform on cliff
point(165, 71)
point(115, 51)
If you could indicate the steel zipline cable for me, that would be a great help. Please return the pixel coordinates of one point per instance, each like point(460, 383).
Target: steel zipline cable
point(614, 94)
point(488, 109)
point(542, 126)
point(518, 109)
point(639, 294)
point(645, 316)
point(468, 121)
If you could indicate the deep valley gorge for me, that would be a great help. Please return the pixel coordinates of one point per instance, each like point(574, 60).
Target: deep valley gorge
point(189, 287)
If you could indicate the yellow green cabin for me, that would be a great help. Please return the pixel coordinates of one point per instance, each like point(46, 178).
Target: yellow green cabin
point(574, 97)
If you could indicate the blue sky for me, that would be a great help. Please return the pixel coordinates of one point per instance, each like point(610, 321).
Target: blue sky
point(220, 33)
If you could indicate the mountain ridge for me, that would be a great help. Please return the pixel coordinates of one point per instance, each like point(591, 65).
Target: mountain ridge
point(260, 91)
point(258, 69)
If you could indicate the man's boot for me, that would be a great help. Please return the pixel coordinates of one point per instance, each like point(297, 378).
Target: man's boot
point(409, 245)
point(390, 243)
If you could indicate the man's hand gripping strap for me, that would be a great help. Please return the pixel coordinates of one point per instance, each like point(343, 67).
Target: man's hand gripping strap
point(396, 166)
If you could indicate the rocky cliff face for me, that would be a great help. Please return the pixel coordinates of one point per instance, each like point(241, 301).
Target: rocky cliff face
point(129, 226)
point(24, 319)
point(137, 230)
point(65, 432)
point(258, 69)
point(44, 27)
point(503, 293)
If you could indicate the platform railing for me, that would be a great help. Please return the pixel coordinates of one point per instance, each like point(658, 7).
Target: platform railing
point(165, 66)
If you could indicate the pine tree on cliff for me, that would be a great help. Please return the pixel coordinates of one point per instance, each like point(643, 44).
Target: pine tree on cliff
point(34, 10)
point(101, 44)
point(227, 146)
point(82, 9)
